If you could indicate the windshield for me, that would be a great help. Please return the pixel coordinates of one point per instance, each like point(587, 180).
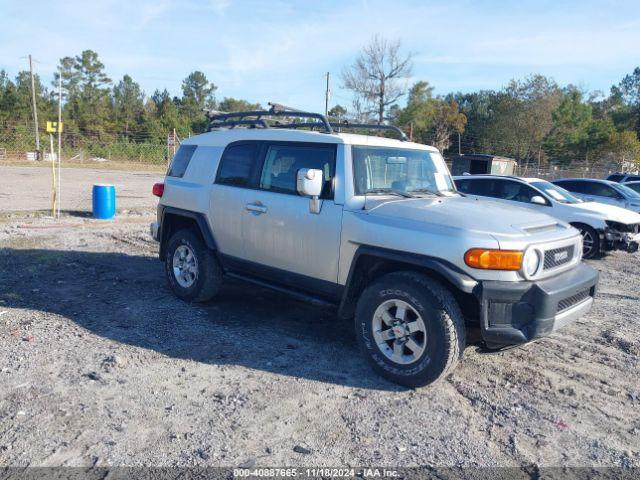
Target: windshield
point(383, 169)
point(626, 191)
point(559, 194)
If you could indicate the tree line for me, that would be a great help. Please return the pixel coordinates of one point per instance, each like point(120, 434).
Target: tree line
point(532, 119)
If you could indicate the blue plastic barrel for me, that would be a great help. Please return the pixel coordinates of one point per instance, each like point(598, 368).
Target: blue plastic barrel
point(104, 201)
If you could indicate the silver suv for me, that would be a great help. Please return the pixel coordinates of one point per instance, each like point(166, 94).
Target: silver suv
point(372, 226)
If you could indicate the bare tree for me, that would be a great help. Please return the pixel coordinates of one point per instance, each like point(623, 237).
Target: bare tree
point(378, 73)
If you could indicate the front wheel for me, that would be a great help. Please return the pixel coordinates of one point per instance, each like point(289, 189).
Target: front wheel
point(410, 328)
point(590, 241)
point(192, 270)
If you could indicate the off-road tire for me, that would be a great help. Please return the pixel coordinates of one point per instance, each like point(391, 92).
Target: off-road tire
point(595, 252)
point(209, 273)
point(444, 322)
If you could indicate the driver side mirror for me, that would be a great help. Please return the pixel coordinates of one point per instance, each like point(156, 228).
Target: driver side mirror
point(309, 184)
point(538, 200)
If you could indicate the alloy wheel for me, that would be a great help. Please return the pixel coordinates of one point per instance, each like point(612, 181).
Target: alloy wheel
point(399, 332)
point(588, 243)
point(185, 266)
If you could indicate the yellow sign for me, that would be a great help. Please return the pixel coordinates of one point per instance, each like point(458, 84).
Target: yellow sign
point(52, 127)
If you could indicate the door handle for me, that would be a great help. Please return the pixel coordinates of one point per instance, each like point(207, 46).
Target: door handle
point(256, 208)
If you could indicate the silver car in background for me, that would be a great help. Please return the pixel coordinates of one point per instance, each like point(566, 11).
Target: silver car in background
point(603, 191)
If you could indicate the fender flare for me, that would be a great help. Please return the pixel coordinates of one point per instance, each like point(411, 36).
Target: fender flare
point(456, 276)
point(200, 221)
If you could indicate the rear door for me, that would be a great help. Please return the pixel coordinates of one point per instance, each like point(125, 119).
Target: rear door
point(285, 242)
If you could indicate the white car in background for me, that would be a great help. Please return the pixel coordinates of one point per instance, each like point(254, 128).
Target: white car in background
point(603, 227)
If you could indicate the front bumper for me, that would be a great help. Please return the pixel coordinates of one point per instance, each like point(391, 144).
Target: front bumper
point(616, 240)
point(518, 312)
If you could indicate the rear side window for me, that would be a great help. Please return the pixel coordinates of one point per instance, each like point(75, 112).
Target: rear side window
point(632, 178)
point(181, 160)
point(577, 187)
point(237, 165)
point(463, 185)
point(282, 163)
point(482, 187)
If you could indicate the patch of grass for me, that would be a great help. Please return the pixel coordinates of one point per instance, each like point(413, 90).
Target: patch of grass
point(109, 165)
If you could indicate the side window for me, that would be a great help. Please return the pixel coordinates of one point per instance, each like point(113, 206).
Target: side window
point(515, 191)
point(610, 192)
point(237, 165)
point(181, 160)
point(282, 162)
point(616, 177)
point(599, 190)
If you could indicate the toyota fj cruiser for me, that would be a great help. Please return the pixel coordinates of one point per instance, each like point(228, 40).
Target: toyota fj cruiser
point(371, 225)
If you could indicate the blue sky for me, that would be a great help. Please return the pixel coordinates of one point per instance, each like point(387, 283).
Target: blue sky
point(279, 51)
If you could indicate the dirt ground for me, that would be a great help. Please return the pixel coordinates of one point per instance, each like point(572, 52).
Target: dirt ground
point(133, 189)
point(101, 365)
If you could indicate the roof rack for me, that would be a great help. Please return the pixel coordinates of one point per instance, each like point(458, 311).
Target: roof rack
point(369, 126)
point(269, 119)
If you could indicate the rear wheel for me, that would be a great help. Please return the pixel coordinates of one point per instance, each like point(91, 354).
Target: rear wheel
point(192, 270)
point(410, 328)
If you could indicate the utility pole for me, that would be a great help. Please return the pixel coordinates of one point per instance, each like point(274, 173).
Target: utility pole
point(35, 109)
point(459, 149)
point(59, 138)
point(327, 92)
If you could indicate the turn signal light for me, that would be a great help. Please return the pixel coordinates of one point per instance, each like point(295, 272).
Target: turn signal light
point(158, 189)
point(487, 259)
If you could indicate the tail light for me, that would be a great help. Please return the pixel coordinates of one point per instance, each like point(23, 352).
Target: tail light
point(158, 189)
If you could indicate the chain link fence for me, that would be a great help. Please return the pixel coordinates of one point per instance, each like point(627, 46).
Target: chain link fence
point(17, 144)
point(551, 172)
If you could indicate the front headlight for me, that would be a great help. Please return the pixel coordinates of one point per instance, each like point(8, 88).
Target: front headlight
point(531, 262)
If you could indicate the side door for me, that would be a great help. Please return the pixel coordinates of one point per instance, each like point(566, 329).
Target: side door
point(229, 195)
point(283, 240)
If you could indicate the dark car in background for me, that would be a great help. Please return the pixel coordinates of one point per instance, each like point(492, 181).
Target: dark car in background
point(623, 178)
point(633, 186)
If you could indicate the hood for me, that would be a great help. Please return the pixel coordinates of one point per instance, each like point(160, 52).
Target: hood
point(609, 212)
point(469, 213)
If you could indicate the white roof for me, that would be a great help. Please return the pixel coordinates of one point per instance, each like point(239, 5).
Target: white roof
point(222, 137)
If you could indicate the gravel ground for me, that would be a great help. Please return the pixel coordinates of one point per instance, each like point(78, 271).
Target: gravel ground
point(101, 365)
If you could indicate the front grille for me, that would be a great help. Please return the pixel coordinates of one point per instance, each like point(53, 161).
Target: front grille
point(558, 256)
point(569, 302)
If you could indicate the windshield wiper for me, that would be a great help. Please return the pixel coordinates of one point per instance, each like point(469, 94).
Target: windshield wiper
point(428, 190)
point(390, 191)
